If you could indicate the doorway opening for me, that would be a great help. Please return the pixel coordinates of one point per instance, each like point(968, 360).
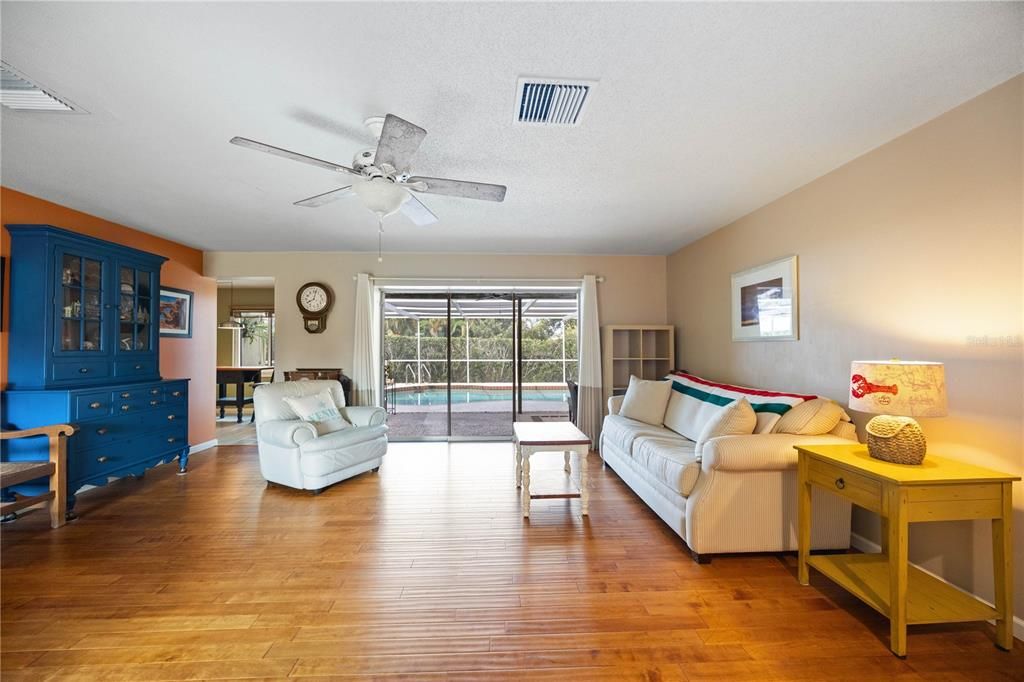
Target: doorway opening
point(246, 343)
point(465, 365)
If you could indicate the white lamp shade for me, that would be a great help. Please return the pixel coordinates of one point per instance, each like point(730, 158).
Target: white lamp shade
point(381, 196)
point(905, 389)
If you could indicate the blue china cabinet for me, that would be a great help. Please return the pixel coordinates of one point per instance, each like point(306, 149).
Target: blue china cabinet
point(84, 349)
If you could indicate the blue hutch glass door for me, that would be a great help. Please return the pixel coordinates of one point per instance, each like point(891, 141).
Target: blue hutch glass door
point(136, 329)
point(80, 312)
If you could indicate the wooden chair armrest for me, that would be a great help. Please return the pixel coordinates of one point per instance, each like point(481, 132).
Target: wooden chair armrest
point(50, 431)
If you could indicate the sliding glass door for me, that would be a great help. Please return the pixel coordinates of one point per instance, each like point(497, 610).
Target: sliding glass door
point(466, 365)
point(483, 366)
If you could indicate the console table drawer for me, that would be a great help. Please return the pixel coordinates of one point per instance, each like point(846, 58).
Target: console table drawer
point(862, 491)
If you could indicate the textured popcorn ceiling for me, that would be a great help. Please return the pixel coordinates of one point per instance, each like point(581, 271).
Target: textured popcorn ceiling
point(702, 113)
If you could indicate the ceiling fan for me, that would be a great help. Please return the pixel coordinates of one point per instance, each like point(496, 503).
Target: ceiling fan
point(384, 174)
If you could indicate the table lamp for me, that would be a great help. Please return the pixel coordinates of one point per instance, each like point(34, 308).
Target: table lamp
point(897, 391)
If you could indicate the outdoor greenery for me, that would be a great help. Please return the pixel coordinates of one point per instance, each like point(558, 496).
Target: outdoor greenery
point(482, 350)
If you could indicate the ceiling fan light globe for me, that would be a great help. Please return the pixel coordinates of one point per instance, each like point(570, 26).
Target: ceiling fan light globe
point(381, 196)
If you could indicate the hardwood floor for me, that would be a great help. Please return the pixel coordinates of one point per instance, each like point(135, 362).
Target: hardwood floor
point(424, 571)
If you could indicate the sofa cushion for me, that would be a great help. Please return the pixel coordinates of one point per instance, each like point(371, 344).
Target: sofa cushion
point(811, 418)
point(327, 462)
point(735, 419)
point(672, 461)
point(344, 438)
point(695, 401)
point(645, 401)
point(622, 431)
point(766, 421)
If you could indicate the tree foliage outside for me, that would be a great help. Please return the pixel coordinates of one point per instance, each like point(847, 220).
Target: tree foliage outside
point(488, 344)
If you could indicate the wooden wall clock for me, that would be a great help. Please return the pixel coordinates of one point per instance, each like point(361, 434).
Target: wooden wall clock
point(314, 300)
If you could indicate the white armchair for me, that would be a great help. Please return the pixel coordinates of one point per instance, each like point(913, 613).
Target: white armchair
point(291, 452)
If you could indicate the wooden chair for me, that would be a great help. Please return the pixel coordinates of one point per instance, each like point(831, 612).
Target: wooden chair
point(13, 473)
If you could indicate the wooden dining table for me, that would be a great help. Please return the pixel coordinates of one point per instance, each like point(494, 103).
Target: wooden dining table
point(239, 377)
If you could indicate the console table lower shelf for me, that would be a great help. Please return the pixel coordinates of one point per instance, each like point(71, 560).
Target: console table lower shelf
point(929, 599)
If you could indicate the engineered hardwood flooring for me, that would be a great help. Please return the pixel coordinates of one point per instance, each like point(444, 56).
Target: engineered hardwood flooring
point(425, 571)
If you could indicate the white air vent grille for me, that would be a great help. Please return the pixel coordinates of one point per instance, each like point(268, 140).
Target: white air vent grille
point(548, 101)
point(18, 92)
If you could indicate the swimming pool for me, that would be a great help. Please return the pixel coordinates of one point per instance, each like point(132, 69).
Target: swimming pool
point(439, 396)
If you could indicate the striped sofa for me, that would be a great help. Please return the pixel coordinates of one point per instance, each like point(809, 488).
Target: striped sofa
point(739, 493)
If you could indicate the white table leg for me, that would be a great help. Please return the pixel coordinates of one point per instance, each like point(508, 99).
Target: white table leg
point(518, 454)
point(526, 483)
point(584, 489)
point(566, 456)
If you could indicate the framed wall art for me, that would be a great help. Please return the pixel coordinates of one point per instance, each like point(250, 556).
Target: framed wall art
point(175, 313)
point(765, 302)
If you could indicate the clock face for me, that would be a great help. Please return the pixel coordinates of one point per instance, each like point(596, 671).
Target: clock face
point(313, 299)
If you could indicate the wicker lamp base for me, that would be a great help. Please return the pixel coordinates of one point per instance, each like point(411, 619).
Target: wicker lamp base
point(899, 440)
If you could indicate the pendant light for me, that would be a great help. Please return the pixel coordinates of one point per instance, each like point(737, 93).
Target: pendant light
point(230, 323)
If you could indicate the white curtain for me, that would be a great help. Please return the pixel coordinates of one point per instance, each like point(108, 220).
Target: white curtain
point(590, 411)
point(364, 347)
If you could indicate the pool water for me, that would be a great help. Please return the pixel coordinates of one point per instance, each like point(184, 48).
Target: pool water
point(440, 396)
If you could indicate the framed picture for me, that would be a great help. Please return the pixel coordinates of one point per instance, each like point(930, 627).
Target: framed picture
point(765, 302)
point(175, 313)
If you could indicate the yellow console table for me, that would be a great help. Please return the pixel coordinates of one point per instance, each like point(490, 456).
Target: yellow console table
point(939, 489)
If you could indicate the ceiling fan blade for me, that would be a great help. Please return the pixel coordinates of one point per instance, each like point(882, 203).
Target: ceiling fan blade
point(458, 188)
point(399, 141)
point(326, 197)
point(294, 156)
point(415, 211)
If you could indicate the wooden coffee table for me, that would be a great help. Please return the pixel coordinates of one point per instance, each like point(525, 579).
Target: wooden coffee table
point(534, 437)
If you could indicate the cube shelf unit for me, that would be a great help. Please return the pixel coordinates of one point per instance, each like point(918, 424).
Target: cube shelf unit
point(647, 351)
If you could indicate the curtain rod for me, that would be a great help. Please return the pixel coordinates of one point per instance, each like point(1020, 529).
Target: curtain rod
point(483, 280)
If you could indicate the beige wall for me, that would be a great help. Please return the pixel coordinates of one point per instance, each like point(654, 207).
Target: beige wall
point(913, 250)
point(633, 291)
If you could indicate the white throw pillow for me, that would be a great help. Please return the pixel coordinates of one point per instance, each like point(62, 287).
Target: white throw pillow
point(811, 418)
point(736, 419)
point(645, 401)
point(320, 411)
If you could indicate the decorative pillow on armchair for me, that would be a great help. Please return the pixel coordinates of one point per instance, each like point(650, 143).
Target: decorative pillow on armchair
point(320, 411)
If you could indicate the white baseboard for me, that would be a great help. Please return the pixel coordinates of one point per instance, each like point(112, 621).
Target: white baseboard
point(199, 447)
point(863, 544)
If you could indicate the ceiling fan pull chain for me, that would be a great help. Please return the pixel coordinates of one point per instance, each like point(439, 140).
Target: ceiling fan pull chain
point(380, 239)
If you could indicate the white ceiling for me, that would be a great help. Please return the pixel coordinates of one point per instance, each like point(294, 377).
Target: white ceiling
point(703, 112)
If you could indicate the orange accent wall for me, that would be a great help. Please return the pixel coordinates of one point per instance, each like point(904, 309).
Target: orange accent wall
point(194, 358)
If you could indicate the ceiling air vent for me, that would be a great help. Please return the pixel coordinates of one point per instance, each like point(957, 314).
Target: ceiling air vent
point(552, 101)
point(18, 92)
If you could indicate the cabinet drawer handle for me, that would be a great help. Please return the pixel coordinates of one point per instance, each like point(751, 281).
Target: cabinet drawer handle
point(840, 483)
point(171, 439)
point(170, 417)
point(138, 366)
point(83, 370)
point(154, 402)
point(102, 459)
point(96, 405)
point(126, 395)
point(176, 394)
point(102, 431)
point(125, 408)
point(154, 391)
